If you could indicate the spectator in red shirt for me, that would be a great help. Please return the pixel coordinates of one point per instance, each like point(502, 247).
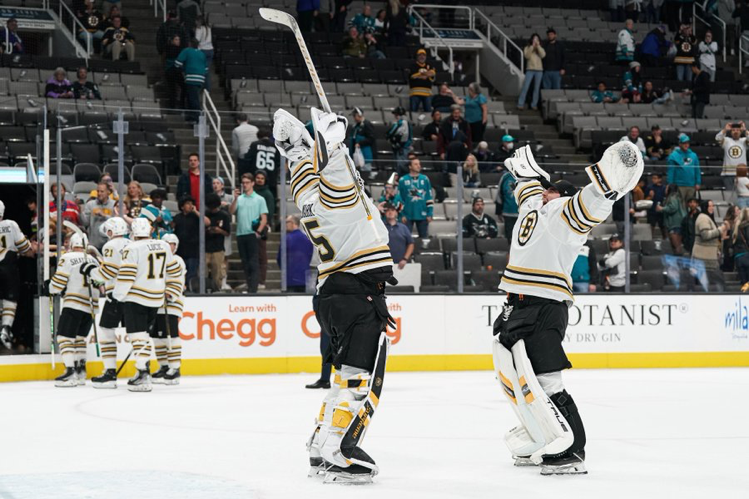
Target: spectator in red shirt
point(188, 182)
point(70, 212)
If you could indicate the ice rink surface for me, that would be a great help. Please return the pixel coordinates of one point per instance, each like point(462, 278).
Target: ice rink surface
point(651, 434)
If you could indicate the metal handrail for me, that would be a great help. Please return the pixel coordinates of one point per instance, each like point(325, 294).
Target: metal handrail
point(720, 21)
point(743, 49)
point(224, 158)
point(156, 5)
point(490, 26)
point(74, 32)
point(422, 24)
point(451, 7)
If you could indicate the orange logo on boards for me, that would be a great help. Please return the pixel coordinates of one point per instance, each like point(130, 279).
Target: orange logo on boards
point(196, 327)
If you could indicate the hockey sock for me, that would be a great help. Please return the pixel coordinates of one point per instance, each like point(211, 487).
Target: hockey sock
point(67, 350)
point(80, 348)
point(568, 408)
point(141, 344)
point(175, 353)
point(160, 347)
point(108, 345)
point(9, 313)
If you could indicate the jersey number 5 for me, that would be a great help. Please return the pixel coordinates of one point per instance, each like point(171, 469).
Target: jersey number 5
point(324, 249)
point(153, 263)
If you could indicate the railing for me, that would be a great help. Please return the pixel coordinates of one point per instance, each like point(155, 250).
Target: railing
point(75, 23)
point(224, 160)
point(423, 24)
point(743, 51)
point(718, 20)
point(506, 41)
point(159, 4)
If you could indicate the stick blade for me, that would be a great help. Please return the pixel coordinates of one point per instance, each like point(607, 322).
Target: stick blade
point(276, 16)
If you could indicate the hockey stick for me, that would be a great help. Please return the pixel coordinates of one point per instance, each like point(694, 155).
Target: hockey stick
point(286, 19)
point(93, 316)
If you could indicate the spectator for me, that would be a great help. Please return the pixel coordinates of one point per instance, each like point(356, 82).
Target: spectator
point(189, 182)
point(379, 23)
point(97, 211)
point(506, 150)
point(192, 62)
point(742, 186)
point(400, 240)
point(677, 13)
point(167, 31)
point(187, 12)
point(673, 213)
point(14, 44)
point(614, 266)
point(135, 201)
point(374, 51)
point(634, 137)
point(455, 138)
point(92, 21)
point(616, 9)
point(476, 111)
point(217, 228)
point(554, 61)
point(585, 270)
point(445, 99)
point(242, 137)
point(307, 11)
point(252, 216)
point(106, 179)
point(298, 256)
point(70, 212)
point(159, 216)
point(226, 198)
point(108, 5)
point(58, 85)
point(263, 190)
point(390, 195)
point(625, 46)
point(477, 223)
point(175, 82)
point(688, 225)
point(338, 15)
point(656, 192)
point(204, 36)
point(431, 132)
point(363, 21)
point(650, 95)
point(353, 45)
point(733, 141)
point(602, 95)
point(686, 49)
point(506, 204)
point(707, 240)
point(420, 82)
point(700, 92)
point(707, 49)
point(396, 23)
point(187, 228)
point(534, 54)
point(84, 89)
point(739, 239)
point(264, 157)
point(653, 11)
point(363, 140)
point(400, 136)
point(730, 220)
point(484, 156)
point(632, 85)
point(118, 38)
point(471, 175)
point(632, 9)
point(654, 48)
point(638, 193)
point(656, 147)
point(684, 169)
point(416, 192)
point(114, 12)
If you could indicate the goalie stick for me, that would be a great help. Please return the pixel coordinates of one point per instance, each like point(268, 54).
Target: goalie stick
point(286, 19)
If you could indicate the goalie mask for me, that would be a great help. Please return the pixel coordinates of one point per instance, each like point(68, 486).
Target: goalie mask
point(140, 228)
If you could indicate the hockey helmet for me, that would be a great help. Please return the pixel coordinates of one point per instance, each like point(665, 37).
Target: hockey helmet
point(78, 241)
point(140, 227)
point(2, 209)
point(116, 225)
point(171, 239)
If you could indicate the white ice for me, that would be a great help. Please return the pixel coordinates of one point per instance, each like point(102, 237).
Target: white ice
point(651, 434)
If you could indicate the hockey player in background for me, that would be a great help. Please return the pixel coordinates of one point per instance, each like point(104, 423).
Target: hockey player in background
point(355, 265)
point(166, 340)
point(112, 315)
point(147, 271)
point(553, 223)
point(12, 242)
point(75, 319)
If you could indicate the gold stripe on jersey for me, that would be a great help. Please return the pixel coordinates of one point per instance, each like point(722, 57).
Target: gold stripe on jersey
point(591, 219)
point(540, 272)
point(157, 294)
point(303, 177)
point(136, 294)
point(575, 219)
point(23, 245)
point(530, 189)
point(334, 203)
point(368, 256)
point(536, 284)
point(537, 277)
point(76, 301)
point(109, 270)
point(338, 188)
point(82, 297)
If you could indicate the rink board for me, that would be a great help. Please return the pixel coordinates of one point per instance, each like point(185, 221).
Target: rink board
point(265, 334)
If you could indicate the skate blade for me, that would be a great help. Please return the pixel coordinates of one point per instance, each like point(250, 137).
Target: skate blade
point(316, 472)
point(139, 388)
point(524, 461)
point(171, 381)
point(107, 385)
point(567, 469)
point(343, 478)
point(158, 381)
point(66, 384)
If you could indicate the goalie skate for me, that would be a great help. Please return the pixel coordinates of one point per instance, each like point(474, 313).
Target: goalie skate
point(317, 467)
point(523, 461)
point(353, 475)
point(571, 465)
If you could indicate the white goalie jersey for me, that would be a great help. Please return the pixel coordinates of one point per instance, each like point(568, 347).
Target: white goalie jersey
point(335, 219)
point(12, 239)
point(110, 265)
point(547, 239)
point(148, 269)
point(68, 278)
point(176, 290)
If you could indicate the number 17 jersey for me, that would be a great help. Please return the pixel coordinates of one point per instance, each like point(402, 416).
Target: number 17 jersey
point(147, 271)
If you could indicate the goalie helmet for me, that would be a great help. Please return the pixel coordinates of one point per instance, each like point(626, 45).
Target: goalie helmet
point(2, 209)
point(78, 241)
point(140, 227)
point(171, 239)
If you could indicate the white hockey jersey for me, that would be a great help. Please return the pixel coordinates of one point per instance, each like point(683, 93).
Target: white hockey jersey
point(12, 239)
point(547, 239)
point(335, 219)
point(111, 261)
point(69, 278)
point(734, 152)
point(176, 288)
point(148, 266)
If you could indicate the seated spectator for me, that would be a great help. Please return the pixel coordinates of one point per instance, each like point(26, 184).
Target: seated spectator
point(159, 216)
point(114, 12)
point(686, 50)
point(93, 26)
point(625, 46)
point(97, 211)
point(445, 99)
point(363, 21)
point(189, 182)
point(471, 175)
point(374, 50)
point(602, 95)
point(534, 54)
point(379, 22)
point(477, 223)
point(298, 256)
point(656, 147)
point(431, 132)
point(420, 80)
point(186, 226)
point(485, 157)
point(673, 213)
point(58, 85)
point(506, 150)
point(118, 38)
point(632, 85)
point(455, 138)
point(14, 45)
point(585, 270)
point(707, 49)
point(655, 47)
point(634, 137)
point(135, 200)
point(226, 198)
point(650, 95)
point(108, 5)
point(390, 195)
point(400, 240)
point(84, 89)
point(354, 45)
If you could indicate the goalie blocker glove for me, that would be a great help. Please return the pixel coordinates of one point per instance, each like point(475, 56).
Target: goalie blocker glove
point(522, 166)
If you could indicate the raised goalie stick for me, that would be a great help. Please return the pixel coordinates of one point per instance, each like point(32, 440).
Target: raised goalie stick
point(286, 19)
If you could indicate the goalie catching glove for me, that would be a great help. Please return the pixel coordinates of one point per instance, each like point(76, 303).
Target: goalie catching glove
point(618, 170)
point(522, 166)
